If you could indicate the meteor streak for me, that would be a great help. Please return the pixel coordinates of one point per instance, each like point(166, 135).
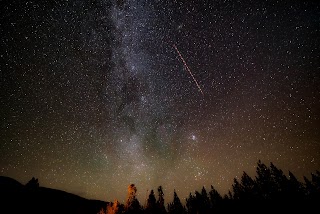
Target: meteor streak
point(187, 68)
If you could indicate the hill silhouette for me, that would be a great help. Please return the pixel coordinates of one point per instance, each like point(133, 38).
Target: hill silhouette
point(31, 198)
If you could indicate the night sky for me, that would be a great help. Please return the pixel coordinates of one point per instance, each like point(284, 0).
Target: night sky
point(94, 96)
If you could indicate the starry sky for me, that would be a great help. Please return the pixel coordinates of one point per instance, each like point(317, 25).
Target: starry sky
point(94, 96)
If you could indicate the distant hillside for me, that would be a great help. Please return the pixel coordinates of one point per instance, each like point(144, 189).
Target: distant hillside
point(30, 198)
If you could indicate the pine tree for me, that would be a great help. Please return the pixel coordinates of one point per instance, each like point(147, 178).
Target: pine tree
point(102, 211)
point(295, 187)
point(313, 190)
point(205, 200)
point(315, 178)
point(151, 203)
point(215, 198)
point(114, 208)
point(33, 183)
point(264, 181)
point(310, 188)
point(132, 204)
point(176, 207)
point(279, 180)
point(191, 204)
point(248, 187)
point(237, 189)
point(160, 201)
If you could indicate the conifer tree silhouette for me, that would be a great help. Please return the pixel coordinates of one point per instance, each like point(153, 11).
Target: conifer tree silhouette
point(215, 199)
point(176, 206)
point(280, 182)
point(248, 188)
point(132, 203)
point(114, 208)
point(205, 202)
point(264, 181)
point(33, 183)
point(160, 202)
point(295, 188)
point(191, 204)
point(237, 189)
point(151, 203)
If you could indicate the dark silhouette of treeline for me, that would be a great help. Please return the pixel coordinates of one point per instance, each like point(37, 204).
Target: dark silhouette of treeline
point(270, 191)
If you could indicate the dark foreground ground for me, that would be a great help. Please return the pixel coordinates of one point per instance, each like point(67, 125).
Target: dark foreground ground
point(18, 198)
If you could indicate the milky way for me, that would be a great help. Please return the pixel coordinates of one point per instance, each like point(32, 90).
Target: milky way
point(95, 97)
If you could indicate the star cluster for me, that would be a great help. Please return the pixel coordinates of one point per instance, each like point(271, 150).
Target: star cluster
point(94, 95)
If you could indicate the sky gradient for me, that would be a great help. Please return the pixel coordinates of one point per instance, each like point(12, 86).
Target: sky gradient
point(94, 96)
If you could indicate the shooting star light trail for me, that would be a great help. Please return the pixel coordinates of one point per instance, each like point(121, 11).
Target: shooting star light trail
point(187, 68)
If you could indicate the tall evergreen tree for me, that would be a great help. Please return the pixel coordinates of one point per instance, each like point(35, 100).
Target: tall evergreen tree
point(191, 204)
point(132, 203)
point(176, 206)
point(198, 202)
point(237, 189)
point(151, 203)
point(279, 180)
point(264, 181)
point(315, 178)
point(313, 186)
point(114, 208)
point(295, 188)
point(205, 200)
point(310, 188)
point(160, 201)
point(248, 187)
point(215, 197)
